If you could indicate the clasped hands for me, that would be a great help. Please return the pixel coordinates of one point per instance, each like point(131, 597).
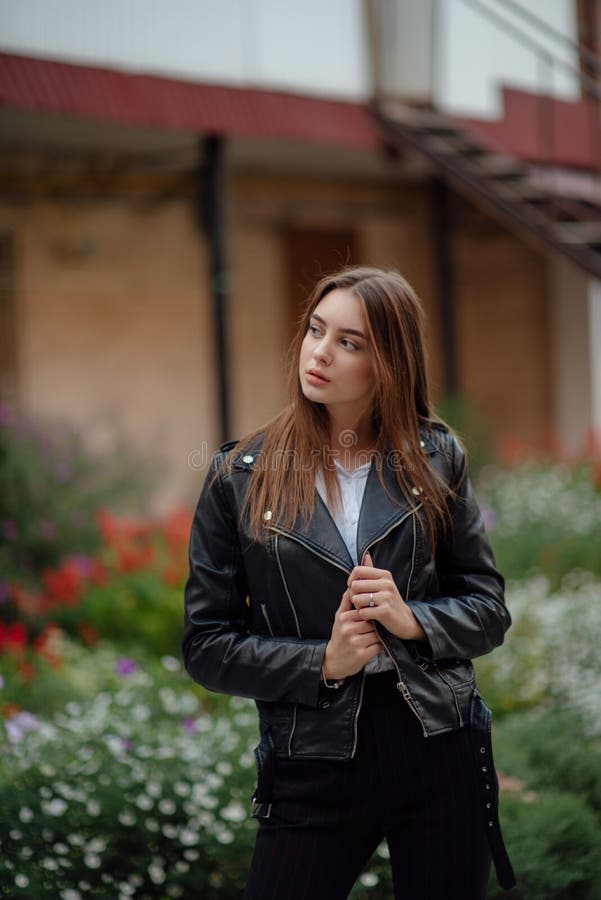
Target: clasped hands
point(354, 639)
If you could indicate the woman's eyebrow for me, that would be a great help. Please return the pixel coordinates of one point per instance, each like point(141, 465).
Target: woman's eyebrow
point(345, 330)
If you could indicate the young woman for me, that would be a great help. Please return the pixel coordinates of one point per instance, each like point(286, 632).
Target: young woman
point(340, 575)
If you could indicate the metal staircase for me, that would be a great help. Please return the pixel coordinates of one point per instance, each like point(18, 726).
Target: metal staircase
point(556, 208)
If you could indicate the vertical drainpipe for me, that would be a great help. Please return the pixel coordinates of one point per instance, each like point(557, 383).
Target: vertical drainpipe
point(445, 281)
point(212, 217)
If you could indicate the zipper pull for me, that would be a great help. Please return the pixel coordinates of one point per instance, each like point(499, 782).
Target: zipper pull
point(402, 687)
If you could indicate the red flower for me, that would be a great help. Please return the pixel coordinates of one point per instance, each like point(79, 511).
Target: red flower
point(177, 527)
point(131, 558)
point(26, 670)
point(47, 645)
point(64, 585)
point(27, 601)
point(13, 638)
point(88, 633)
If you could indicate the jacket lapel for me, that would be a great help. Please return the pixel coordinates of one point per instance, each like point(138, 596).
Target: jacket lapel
point(382, 509)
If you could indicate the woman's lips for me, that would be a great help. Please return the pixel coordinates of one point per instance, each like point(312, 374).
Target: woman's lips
point(316, 379)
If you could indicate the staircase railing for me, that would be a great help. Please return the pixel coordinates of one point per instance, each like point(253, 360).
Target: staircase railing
point(548, 62)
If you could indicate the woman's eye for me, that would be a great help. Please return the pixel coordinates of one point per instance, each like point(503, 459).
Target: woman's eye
point(313, 329)
point(349, 344)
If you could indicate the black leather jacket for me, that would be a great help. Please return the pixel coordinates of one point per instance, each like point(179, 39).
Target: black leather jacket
point(258, 615)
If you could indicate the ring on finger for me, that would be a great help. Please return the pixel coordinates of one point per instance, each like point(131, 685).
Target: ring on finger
point(371, 599)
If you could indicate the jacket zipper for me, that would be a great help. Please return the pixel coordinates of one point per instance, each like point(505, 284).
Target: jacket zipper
point(347, 572)
point(357, 711)
point(401, 686)
point(266, 617)
point(311, 549)
point(277, 556)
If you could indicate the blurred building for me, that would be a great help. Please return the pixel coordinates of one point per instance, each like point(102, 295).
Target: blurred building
point(175, 175)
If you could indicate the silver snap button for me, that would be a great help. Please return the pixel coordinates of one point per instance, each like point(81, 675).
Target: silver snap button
point(487, 786)
point(488, 805)
point(416, 490)
point(267, 515)
point(485, 768)
point(248, 458)
point(482, 749)
point(490, 824)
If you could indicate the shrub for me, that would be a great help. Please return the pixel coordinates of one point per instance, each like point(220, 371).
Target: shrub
point(550, 654)
point(51, 486)
point(136, 791)
point(543, 517)
point(553, 839)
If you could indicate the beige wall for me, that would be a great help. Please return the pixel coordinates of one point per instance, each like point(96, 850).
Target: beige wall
point(116, 322)
point(119, 333)
point(503, 331)
point(572, 381)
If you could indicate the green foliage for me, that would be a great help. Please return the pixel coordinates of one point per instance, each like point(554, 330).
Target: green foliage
point(138, 611)
point(542, 517)
point(473, 428)
point(51, 486)
point(550, 654)
point(553, 840)
point(137, 790)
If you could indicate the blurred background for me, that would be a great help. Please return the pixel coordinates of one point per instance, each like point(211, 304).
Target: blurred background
point(174, 177)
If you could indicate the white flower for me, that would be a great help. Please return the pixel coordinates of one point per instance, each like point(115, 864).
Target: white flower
point(167, 806)
point(96, 845)
point(187, 837)
point(156, 873)
point(170, 663)
point(143, 801)
point(49, 863)
point(70, 894)
point(93, 808)
point(26, 814)
point(369, 879)
point(56, 807)
point(127, 817)
point(21, 880)
point(233, 812)
point(92, 861)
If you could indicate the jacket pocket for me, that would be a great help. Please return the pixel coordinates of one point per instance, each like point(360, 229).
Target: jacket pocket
point(262, 797)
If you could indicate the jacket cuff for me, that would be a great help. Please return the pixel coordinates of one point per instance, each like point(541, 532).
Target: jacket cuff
point(432, 644)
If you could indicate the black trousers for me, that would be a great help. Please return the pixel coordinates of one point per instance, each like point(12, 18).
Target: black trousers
point(420, 794)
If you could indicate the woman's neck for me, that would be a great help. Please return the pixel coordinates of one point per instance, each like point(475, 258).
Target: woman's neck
point(352, 445)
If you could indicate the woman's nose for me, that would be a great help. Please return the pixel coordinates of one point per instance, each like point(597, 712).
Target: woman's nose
point(321, 351)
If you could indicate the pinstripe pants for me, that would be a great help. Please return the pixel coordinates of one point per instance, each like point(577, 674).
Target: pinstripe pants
point(420, 794)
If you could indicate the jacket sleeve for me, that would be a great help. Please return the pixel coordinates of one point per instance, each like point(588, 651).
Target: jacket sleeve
point(469, 617)
point(218, 650)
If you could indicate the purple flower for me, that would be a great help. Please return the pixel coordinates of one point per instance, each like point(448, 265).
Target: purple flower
point(4, 594)
point(125, 666)
point(47, 529)
point(18, 726)
point(190, 725)
point(9, 529)
point(6, 414)
point(126, 744)
point(84, 564)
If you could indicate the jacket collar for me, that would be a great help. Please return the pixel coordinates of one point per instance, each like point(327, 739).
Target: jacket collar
point(382, 509)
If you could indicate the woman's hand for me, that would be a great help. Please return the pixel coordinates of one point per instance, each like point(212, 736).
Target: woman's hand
point(353, 643)
point(366, 584)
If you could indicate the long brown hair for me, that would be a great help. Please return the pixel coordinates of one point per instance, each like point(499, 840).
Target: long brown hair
point(298, 437)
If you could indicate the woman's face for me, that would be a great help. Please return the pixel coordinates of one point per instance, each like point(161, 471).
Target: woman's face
point(335, 360)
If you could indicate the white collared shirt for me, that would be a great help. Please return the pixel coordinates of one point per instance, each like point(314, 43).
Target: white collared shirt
point(346, 518)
